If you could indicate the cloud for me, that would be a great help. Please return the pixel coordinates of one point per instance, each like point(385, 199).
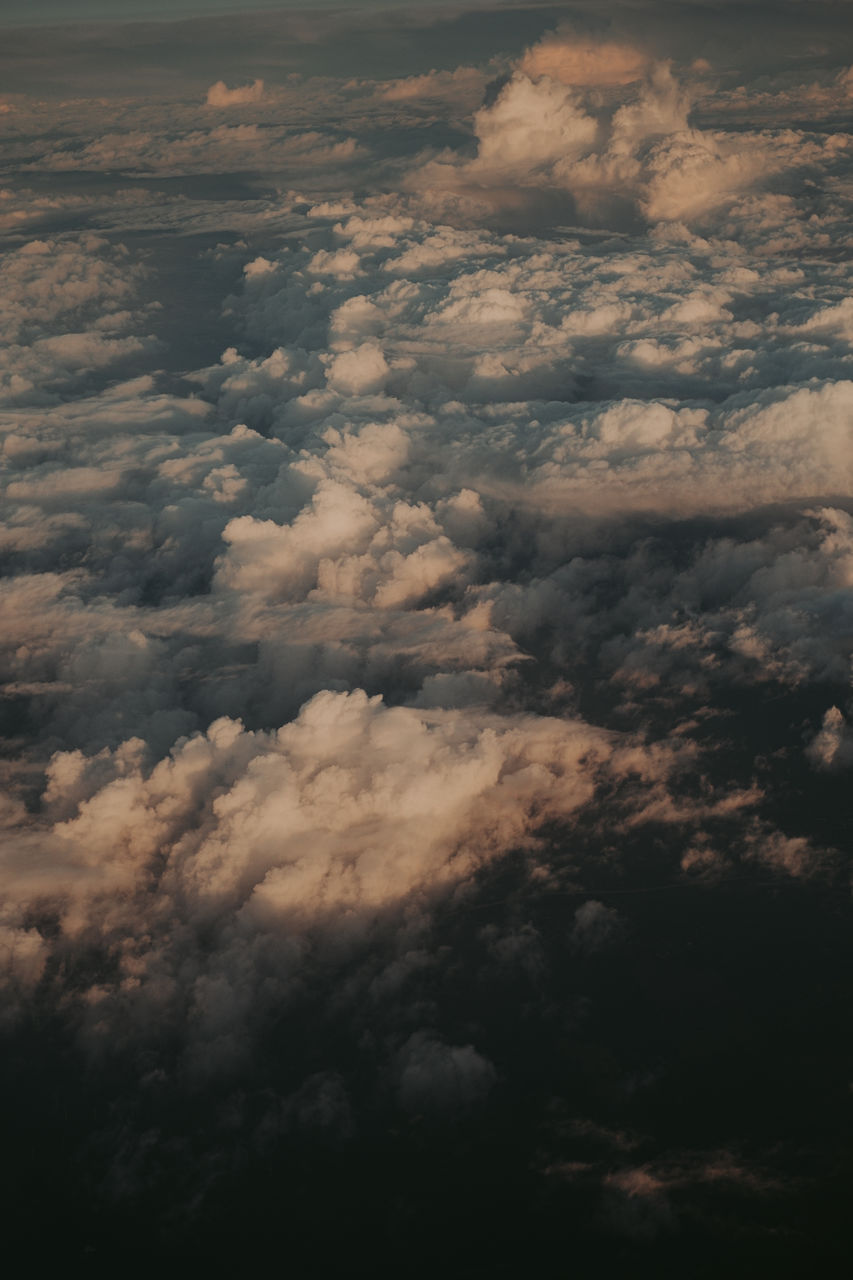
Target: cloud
point(571, 59)
point(637, 1204)
point(230, 147)
point(544, 320)
point(832, 747)
point(361, 371)
point(463, 86)
point(441, 1077)
point(219, 95)
point(531, 125)
point(424, 623)
point(70, 278)
point(279, 843)
point(595, 927)
point(644, 158)
point(65, 314)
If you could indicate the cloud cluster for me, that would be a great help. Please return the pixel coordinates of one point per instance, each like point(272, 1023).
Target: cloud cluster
point(64, 314)
point(277, 843)
point(355, 528)
point(549, 130)
point(425, 614)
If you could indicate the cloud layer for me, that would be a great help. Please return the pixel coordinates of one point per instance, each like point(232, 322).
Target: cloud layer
point(425, 635)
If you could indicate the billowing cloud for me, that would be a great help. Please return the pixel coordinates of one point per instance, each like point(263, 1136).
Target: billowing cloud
point(280, 843)
point(219, 95)
point(572, 59)
point(425, 632)
point(644, 158)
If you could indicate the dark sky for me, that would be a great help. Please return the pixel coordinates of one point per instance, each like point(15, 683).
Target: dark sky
point(43, 11)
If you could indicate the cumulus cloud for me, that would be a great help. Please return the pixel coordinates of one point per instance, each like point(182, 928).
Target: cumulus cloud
point(65, 314)
point(219, 95)
point(279, 843)
point(572, 59)
point(832, 746)
point(44, 280)
point(425, 627)
point(643, 159)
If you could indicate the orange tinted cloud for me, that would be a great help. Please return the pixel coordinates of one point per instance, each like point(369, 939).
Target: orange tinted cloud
point(219, 95)
point(573, 60)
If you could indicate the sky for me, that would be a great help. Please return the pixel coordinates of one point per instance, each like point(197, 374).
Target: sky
point(425, 636)
point(33, 12)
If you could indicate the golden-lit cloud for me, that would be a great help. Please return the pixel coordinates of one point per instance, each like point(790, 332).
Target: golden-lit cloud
point(577, 61)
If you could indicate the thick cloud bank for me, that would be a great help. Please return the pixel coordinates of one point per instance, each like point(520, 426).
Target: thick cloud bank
point(425, 631)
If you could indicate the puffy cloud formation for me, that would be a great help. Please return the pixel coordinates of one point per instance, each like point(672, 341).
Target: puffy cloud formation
point(832, 747)
point(352, 531)
point(80, 287)
point(643, 159)
point(571, 59)
point(425, 638)
point(276, 843)
point(219, 95)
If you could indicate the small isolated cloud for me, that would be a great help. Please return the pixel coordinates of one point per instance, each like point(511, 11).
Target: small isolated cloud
point(832, 747)
point(219, 95)
point(595, 928)
point(636, 1203)
point(435, 1076)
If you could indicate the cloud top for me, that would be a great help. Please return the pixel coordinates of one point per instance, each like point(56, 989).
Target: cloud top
point(219, 95)
point(573, 60)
